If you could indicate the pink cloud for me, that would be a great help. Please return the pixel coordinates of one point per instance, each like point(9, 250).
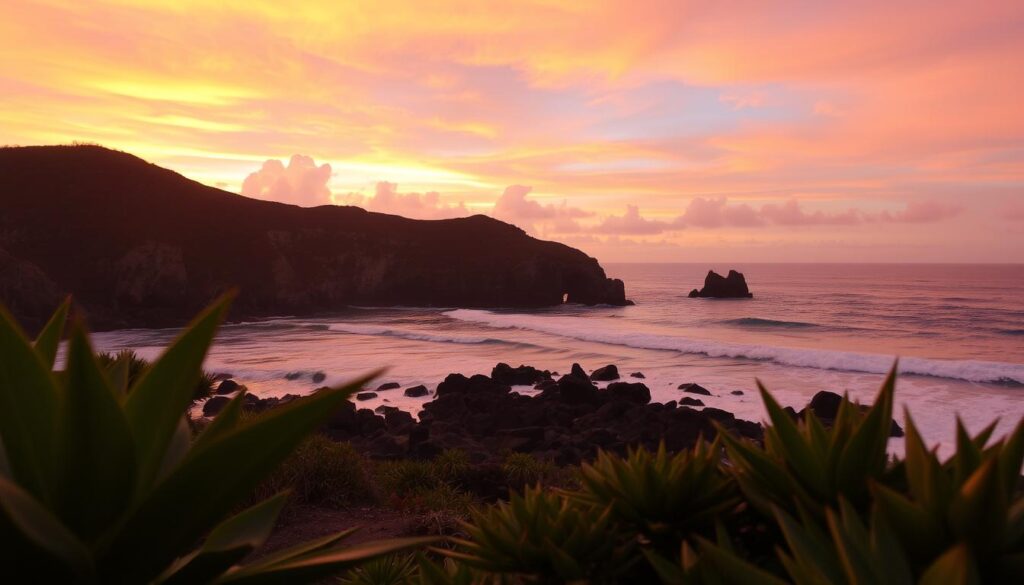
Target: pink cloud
point(302, 182)
point(790, 213)
point(922, 212)
point(710, 213)
point(631, 223)
point(514, 207)
point(387, 199)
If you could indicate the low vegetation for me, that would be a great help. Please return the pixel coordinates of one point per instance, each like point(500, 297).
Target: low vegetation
point(101, 480)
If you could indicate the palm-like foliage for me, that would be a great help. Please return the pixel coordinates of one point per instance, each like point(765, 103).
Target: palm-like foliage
point(805, 465)
point(542, 536)
point(100, 480)
point(663, 497)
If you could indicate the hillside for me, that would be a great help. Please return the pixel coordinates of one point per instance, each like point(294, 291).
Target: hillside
point(139, 245)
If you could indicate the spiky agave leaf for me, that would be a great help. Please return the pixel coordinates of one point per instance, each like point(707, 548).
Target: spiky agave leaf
point(102, 482)
point(544, 535)
point(662, 496)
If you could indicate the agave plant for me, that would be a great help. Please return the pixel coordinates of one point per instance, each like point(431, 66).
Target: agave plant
point(662, 497)
point(544, 537)
point(101, 481)
point(804, 464)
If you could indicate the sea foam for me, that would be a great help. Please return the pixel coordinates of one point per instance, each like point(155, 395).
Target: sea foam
point(587, 329)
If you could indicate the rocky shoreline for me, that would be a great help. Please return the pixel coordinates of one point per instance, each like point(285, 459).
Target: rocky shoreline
point(565, 420)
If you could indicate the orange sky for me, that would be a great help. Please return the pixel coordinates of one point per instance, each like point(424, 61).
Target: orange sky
point(637, 131)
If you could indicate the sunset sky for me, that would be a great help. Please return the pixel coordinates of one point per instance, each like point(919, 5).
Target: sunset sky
point(634, 130)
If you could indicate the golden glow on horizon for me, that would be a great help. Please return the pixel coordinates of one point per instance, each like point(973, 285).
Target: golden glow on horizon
point(657, 129)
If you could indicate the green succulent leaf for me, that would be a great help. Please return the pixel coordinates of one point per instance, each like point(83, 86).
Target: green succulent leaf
point(214, 478)
point(97, 453)
point(38, 526)
point(230, 542)
point(28, 411)
point(49, 337)
point(156, 402)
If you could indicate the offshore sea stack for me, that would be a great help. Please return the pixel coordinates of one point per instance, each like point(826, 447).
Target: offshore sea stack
point(141, 246)
point(733, 286)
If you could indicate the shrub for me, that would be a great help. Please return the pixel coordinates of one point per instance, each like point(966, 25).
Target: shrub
point(97, 485)
point(125, 367)
point(543, 536)
point(321, 472)
point(389, 570)
point(523, 469)
point(402, 477)
point(662, 497)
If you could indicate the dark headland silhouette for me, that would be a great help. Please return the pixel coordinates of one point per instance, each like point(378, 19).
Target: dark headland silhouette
point(139, 245)
point(733, 286)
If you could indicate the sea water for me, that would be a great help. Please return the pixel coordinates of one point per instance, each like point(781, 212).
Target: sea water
point(958, 331)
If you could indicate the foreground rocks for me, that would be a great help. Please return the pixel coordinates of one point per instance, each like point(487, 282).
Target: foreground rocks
point(567, 422)
point(733, 286)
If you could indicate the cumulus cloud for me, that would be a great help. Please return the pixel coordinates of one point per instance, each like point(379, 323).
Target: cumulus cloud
point(922, 212)
point(631, 223)
point(515, 207)
point(712, 213)
point(791, 213)
point(302, 182)
point(387, 199)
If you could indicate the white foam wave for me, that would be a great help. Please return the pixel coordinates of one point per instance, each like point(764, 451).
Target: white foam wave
point(594, 330)
point(410, 334)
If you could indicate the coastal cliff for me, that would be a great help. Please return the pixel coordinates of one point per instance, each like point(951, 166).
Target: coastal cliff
point(139, 245)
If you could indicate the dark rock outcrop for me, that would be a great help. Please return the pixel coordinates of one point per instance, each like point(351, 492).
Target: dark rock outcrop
point(366, 395)
point(694, 389)
point(388, 386)
point(319, 377)
point(687, 401)
point(825, 405)
point(733, 286)
point(227, 387)
point(139, 245)
point(417, 391)
point(632, 392)
point(605, 374)
point(639, 375)
point(521, 376)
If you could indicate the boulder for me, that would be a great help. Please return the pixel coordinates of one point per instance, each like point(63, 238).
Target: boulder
point(388, 386)
point(577, 370)
point(605, 374)
point(227, 387)
point(576, 389)
point(687, 401)
point(639, 375)
point(214, 405)
point(632, 392)
point(825, 406)
point(737, 393)
point(366, 395)
point(319, 377)
point(694, 389)
point(417, 391)
point(503, 373)
point(293, 375)
point(733, 286)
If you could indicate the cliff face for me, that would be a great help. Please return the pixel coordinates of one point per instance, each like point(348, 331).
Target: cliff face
point(139, 245)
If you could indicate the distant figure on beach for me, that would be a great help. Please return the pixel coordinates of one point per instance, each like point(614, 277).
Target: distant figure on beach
point(733, 286)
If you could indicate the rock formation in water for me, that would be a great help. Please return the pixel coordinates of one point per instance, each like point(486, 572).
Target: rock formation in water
point(139, 245)
point(733, 286)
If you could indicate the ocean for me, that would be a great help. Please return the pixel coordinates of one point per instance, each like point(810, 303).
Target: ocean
point(957, 329)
